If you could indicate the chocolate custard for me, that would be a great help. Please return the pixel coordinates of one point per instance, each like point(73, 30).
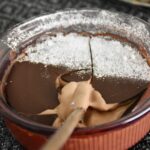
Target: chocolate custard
point(115, 66)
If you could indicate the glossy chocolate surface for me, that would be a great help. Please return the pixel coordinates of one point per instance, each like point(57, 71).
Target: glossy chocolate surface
point(39, 93)
point(31, 89)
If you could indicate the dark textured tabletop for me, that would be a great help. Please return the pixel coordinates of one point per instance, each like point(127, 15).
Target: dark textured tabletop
point(15, 11)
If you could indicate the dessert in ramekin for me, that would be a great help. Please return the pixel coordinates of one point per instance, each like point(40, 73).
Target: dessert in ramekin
point(110, 48)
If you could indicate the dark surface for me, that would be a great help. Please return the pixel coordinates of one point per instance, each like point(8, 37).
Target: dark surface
point(15, 11)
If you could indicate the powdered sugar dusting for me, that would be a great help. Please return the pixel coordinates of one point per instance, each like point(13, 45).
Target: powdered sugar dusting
point(110, 57)
point(71, 51)
point(113, 58)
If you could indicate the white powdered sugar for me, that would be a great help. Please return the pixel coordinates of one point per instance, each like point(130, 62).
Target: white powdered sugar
point(113, 58)
point(71, 51)
point(110, 57)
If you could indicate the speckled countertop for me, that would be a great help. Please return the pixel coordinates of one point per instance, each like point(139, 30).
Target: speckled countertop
point(15, 11)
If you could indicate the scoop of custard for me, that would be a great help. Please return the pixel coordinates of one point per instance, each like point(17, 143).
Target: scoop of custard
point(75, 95)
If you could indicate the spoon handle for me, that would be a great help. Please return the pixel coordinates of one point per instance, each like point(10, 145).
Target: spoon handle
point(57, 140)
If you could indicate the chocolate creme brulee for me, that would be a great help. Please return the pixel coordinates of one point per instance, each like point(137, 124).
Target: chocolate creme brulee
point(40, 83)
